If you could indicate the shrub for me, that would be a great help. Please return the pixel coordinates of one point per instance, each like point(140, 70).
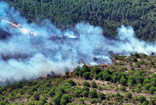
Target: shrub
point(65, 97)
point(146, 86)
point(137, 64)
point(6, 100)
point(78, 68)
point(93, 93)
point(85, 88)
point(54, 88)
point(43, 99)
point(71, 82)
point(95, 76)
point(142, 98)
point(137, 55)
point(67, 73)
point(116, 89)
point(85, 67)
point(138, 73)
point(86, 75)
point(96, 69)
point(152, 101)
point(123, 81)
point(49, 103)
point(3, 97)
point(29, 92)
point(146, 81)
point(131, 78)
point(151, 89)
point(59, 94)
point(144, 55)
point(130, 83)
point(154, 92)
point(81, 72)
point(40, 103)
point(151, 63)
point(128, 95)
point(139, 79)
point(99, 87)
point(18, 85)
point(33, 88)
point(48, 83)
point(145, 103)
point(76, 73)
point(2, 103)
point(134, 59)
point(123, 88)
point(93, 84)
point(63, 102)
point(100, 75)
point(20, 104)
point(81, 101)
point(85, 83)
point(101, 95)
point(36, 95)
point(61, 89)
point(93, 100)
point(30, 103)
point(125, 99)
point(137, 90)
point(51, 92)
point(118, 96)
point(153, 83)
point(56, 100)
point(106, 76)
point(139, 85)
point(132, 68)
point(85, 93)
point(115, 78)
point(21, 91)
point(77, 93)
point(153, 76)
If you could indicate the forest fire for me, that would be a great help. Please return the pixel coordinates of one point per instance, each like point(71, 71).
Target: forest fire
point(70, 72)
point(86, 64)
point(103, 64)
point(26, 31)
point(14, 25)
point(42, 51)
point(19, 27)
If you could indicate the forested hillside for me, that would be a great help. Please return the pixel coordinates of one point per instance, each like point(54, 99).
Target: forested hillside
point(128, 81)
point(108, 14)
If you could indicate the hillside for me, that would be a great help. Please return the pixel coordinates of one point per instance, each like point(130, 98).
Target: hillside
point(108, 14)
point(128, 81)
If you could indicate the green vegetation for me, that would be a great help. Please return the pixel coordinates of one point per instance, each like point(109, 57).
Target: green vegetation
point(115, 84)
point(108, 14)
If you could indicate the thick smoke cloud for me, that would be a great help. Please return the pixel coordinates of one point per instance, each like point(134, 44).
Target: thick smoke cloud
point(37, 56)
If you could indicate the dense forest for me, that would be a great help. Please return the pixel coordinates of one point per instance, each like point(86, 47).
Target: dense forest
point(108, 14)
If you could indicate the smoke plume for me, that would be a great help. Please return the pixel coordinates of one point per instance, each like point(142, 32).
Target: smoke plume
point(27, 56)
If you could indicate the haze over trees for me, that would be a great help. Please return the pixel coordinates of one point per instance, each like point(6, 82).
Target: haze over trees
point(108, 14)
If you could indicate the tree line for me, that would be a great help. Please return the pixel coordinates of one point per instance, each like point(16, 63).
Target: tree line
point(108, 14)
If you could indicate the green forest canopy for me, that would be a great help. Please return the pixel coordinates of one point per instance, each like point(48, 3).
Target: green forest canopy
point(108, 14)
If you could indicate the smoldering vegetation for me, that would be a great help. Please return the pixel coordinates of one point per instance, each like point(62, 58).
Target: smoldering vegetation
point(27, 56)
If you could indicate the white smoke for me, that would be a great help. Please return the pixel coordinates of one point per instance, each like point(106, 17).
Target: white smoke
point(38, 56)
